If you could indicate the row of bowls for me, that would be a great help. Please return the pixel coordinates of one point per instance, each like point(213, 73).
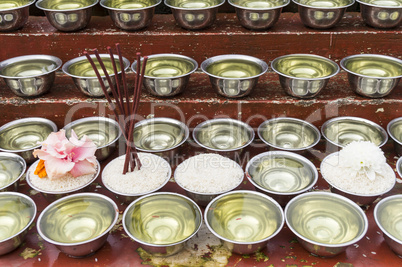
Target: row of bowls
point(198, 14)
point(232, 76)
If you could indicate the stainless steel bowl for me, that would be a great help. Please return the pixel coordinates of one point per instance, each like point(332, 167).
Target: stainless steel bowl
point(22, 136)
point(256, 14)
point(67, 15)
point(84, 76)
point(325, 224)
point(104, 132)
point(244, 220)
point(399, 167)
point(234, 76)
point(51, 196)
point(12, 168)
point(281, 175)
point(289, 134)
point(388, 217)
point(167, 75)
point(162, 222)
point(340, 131)
point(194, 14)
point(18, 212)
point(304, 75)
point(30, 76)
point(381, 14)
point(131, 15)
point(394, 129)
point(78, 225)
point(14, 14)
point(372, 75)
point(318, 14)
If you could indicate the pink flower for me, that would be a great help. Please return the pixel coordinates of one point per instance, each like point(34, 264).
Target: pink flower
point(76, 156)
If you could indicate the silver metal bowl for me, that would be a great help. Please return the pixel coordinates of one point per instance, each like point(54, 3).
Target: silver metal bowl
point(12, 168)
point(387, 215)
point(78, 225)
point(325, 224)
point(281, 175)
point(22, 136)
point(372, 75)
point(104, 132)
point(289, 134)
point(340, 131)
point(167, 75)
point(30, 76)
point(234, 75)
point(162, 222)
point(258, 15)
point(83, 75)
point(131, 15)
point(14, 14)
point(67, 15)
point(18, 212)
point(381, 14)
point(244, 220)
point(394, 129)
point(318, 14)
point(194, 14)
point(399, 167)
point(304, 75)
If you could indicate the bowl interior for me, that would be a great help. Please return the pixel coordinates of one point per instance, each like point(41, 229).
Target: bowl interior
point(305, 66)
point(395, 130)
point(257, 4)
point(389, 216)
point(288, 134)
point(372, 66)
point(11, 168)
point(24, 135)
point(166, 66)
point(16, 213)
point(162, 219)
point(234, 68)
point(77, 219)
point(281, 173)
point(9, 4)
point(244, 217)
point(82, 68)
point(193, 4)
point(129, 4)
point(382, 3)
point(29, 67)
point(325, 219)
point(65, 4)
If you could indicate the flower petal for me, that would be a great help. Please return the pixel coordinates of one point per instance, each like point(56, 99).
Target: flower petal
point(82, 168)
point(56, 168)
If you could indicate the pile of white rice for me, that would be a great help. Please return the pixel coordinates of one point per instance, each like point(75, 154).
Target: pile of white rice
point(208, 173)
point(153, 173)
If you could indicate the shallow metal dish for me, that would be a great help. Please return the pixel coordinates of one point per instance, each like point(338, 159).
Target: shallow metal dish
point(14, 14)
point(394, 129)
point(381, 14)
point(12, 168)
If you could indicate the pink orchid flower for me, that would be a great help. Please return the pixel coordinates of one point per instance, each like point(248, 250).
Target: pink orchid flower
point(61, 155)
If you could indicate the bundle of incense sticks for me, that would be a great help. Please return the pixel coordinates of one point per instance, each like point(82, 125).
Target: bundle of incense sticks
point(122, 109)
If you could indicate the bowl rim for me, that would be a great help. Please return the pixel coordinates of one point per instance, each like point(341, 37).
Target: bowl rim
point(294, 120)
point(167, 3)
point(182, 125)
point(67, 65)
point(231, 121)
point(268, 198)
point(32, 202)
point(167, 55)
point(389, 58)
point(260, 62)
point(19, 7)
point(5, 63)
point(78, 195)
point(103, 3)
point(125, 214)
point(382, 131)
point(352, 193)
point(291, 155)
point(95, 119)
point(285, 3)
point(331, 195)
point(33, 165)
point(23, 120)
point(21, 160)
point(208, 194)
point(378, 6)
point(376, 219)
point(399, 167)
point(38, 5)
point(169, 175)
point(389, 125)
point(351, 2)
point(311, 56)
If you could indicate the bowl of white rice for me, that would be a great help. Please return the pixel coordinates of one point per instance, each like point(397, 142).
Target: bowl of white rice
point(154, 173)
point(206, 176)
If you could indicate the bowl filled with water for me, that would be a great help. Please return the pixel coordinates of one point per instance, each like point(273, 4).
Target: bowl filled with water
point(12, 168)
